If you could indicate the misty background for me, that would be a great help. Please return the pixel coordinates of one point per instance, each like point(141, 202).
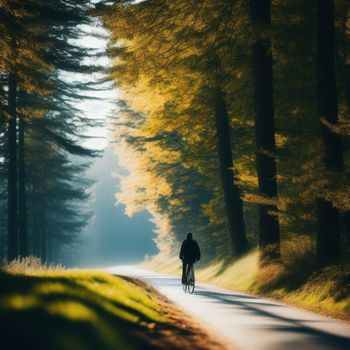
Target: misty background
point(111, 237)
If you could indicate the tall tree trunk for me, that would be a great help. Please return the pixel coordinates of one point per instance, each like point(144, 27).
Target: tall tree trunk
point(343, 53)
point(269, 231)
point(43, 246)
point(22, 206)
point(43, 238)
point(12, 250)
point(36, 237)
point(232, 194)
point(343, 65)
point(50, 250)
point(328, 225)
point(35, 219)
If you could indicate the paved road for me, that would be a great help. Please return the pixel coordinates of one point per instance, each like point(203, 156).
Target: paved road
point(248, 322)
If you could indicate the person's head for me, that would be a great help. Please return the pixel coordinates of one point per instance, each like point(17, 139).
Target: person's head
point(189, 235)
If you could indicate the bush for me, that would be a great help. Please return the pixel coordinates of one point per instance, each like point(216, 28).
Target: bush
point(298, 254)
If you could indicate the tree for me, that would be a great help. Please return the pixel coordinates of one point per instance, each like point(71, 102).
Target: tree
point(36, 54)
point(230, 82)
point(269, 232)
point(232, 193)
point(173, 50)
point(328, 229)
point(12, 169)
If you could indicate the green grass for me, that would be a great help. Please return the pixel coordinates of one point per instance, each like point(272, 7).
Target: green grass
point(297, 281)
point(73, 309)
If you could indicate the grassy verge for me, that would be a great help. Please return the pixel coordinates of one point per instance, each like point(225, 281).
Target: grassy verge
point(52, 308)
point(297, 281)
point(57, 309)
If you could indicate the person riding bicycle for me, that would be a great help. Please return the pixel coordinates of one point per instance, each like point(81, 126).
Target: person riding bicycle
point(189, 254)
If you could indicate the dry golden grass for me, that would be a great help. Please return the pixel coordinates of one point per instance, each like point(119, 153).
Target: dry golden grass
point(27, 265)
point(298, 281)
point(298, 253)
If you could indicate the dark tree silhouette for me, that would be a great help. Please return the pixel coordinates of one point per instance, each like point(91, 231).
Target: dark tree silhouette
point(269, 232)
point(232, 193)
point(22, 200)
point(328, 227)
point(12, 169)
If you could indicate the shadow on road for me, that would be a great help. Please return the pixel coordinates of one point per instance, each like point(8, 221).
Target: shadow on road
point(296, 326)
point(283, 328)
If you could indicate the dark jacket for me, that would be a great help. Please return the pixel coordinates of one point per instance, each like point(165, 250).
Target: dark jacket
point(190, 251)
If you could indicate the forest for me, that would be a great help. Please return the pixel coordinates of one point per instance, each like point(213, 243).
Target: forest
point(236, 117)
point(232, 123)
point(225, 120)
point(43, 188)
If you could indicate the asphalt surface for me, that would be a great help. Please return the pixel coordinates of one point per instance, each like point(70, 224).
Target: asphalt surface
point(248, 322)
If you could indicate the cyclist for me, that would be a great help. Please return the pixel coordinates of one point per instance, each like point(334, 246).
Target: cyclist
point(189, 254)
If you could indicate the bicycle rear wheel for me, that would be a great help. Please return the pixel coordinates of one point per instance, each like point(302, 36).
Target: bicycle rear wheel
point(190, 287)
point(190, 280)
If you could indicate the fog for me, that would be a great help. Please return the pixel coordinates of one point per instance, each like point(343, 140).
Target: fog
point(112, 237)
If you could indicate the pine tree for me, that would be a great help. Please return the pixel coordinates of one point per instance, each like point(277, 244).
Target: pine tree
point(269, 232)
point(38, 38)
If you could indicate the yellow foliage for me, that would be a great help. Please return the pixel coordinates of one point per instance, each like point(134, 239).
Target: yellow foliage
point(259, 199)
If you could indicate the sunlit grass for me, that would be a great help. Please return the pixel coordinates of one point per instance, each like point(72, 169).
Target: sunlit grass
point(242, 272)
point(27, 265)
point(298, 280)
point(324, 290)
point(164, 263)
point(72, 309)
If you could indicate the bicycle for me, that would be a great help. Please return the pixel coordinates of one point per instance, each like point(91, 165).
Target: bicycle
point(189, 284)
